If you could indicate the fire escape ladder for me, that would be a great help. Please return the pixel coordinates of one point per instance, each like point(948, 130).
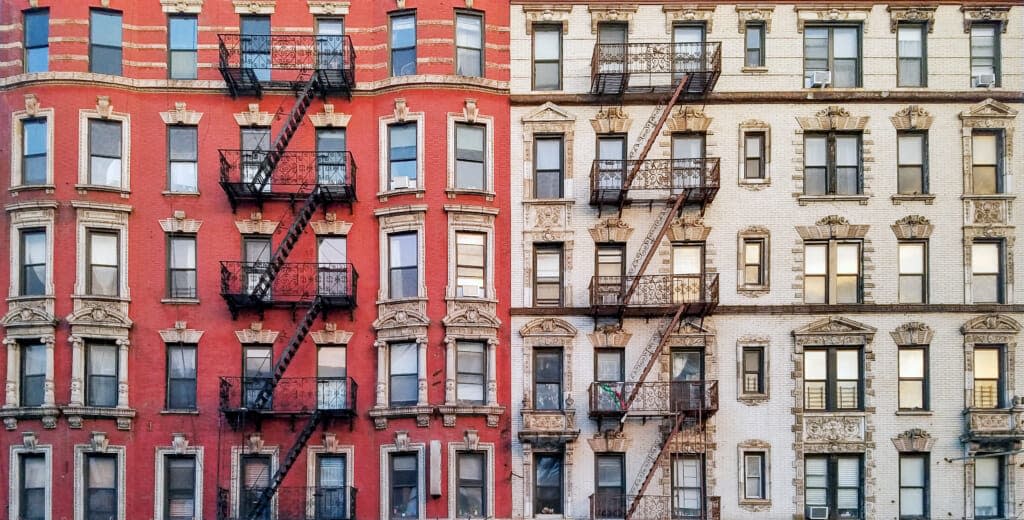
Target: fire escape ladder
point(313, 201)
point(284, 136)
point(648, 358)
point(289, 352)
point(289, 460)
point(645, 254)
point(654, 460)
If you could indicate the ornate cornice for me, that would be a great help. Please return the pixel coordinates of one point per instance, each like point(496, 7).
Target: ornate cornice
point(611, 230)
point(330, 226)
point(610, 13)
point(924, 14)
point(181, 334)
point(611, 120)
point(256, 335)
point(913, 440)
point(179, 224)
point(181, 6)
point(913, 333)
point(547, 13)
point(972, 14)
point(327, 7)
point(831, 13)
point(256, 225)
point(254, 6)
point(694, 14)
point(329, 118)
point(688, 119)
point(911, 227)
point(832, 226)
point(331, 335)
point(755, 13)
point(181, 116)
point(912, 117)
point(833, 118)
point(991, 323)
point(254, 117)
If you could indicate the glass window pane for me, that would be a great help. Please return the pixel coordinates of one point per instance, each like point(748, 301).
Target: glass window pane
point(986, 363)
point(105, 60)
point(103, 249)
point(183, 33)
point(845, 44)
point(911, 394)
point(986, 471)
point(403, 31)
point(910, 40)
point(183, 142)
point(815, 364)
point(911, 362)
point(847, 150)
point(403, 141)
point(911, 258)
point(404, 358)
point(609, 366)
point(752, 252)
point(816, 259)
point(34, 138)
point(183, 253)
point(547, 44)
point(37, 28)
point(848, 258)
point(404, 252)
point(911, 147)
point(105, 28)
point(468, 31)
point(912, 471)
point(983, 148)
point(984, 258)
point(37, 59)
point(105, 138)
point(815, 151)
point(848, 364)
point(549, 154)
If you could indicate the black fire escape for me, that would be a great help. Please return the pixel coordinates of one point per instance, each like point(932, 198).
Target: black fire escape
point(309, 66)
point(681, 188)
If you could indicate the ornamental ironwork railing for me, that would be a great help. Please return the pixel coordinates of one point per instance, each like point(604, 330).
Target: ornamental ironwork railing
point(655, 179)
point(287, 51)
point(653, 398)
point(290, 394)
point(656, 58)
point(295, 172)
point(335, 283)
point(322, 502)
point(685, 503)
point(662, 290)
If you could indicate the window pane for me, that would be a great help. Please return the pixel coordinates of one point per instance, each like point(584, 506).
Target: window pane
point(911, 362)
point(848, 258)
point(845, 44)
point(848, 364)
point(103, 249)
point(609, 471)
point(403, 141)
point(912, 471)
point(184, 177)
point(911, 395)
point(983, 148)
point(105, 60)
point(468, 31)
point(549, 154)
point(404, 252)
point(984, 258)
point(34, 244)
point(183, 33)
point(609, 366)
point(105, 28)
point(183, 253)
point(911, 258)
point(847, 153)
point(909, 37)
point(403, 31)
point(815, 365)
point(182, 141)
point(816, 259)
point(37, 28)
point(404, 358)
point(752, 252)
point(986, 471)
point(547, 43)
point(815, 151)
point(986, 363)
point(105, 138)
point(911, 147)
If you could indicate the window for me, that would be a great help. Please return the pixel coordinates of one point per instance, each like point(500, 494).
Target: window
point(37, 44)
point(33, 374)
point(183, 31)
point(611, 164)
point(105, 153)
point(987, 162)
point(754, 261)
point(469, 45)
point(181, 377)
point(547, 379)
point(610, 485)
point(988, 486)
point(105, 41)
point(547, 57)
point(610, 271)
point(832, 272)
point(912, 264)
point(404, 486)
point(913, 379)
point(911, 168)
point(33, 262)
point(471, 370)
point(256, 45)
point(470, 264)
point(985, 55)
point(257, 374)
point(833, 380)
point(688, 49)
point(255, 143)
point(404, 265)
point(256, 253)
point(402, 165)
point(180, 499)
point(988, 377)
point(181, 266)
point(470, 158)
point(34, 149)
point(753, 476)
point(834, 483)
point(331, 379)
point(403, 379)
point(987, 272)
point(330, 155)
point(182, 159)
point(471, 493)
point(548, 167)
point(687, 486)
point(753, 370)
point(609, 371)
point(754, 45)
point(913, 486)
point(753, 155)
point(32, 487)
point(330, 43)
point(547, 271)
point(403, 44)
point(910, 51)
point(101, 375)
point(100, 487)
point(548, 484)
point(834, 49)
point(332, 269)
point(331, 499)
point(832, 164)
point(255, 478)
point(104, 268)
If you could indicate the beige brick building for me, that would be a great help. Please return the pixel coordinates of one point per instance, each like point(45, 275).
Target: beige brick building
point(826, 216)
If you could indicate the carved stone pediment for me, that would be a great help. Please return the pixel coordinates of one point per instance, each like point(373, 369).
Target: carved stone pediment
point(547, 113)
point(616, 442)
point(989, 109)
point(914, 439)
point(179, 441)
point(912, 226)
point(834, 428)
point(912, 117)
point(547, 13)
point(973, 14)
point(832, 226)
point(611, 230)
point(181, 115)
point(689, 14)
point(609, 336)
point(912, 333)
point(181, 334)
point(254, 117)
point(991, 323)
point(833, 118)
point(182, 6)
point(256, 334)
point(610, 13)
point(469, 315)
point(831, 13)
point(331, 335)
point(688, 119)
point(179, 224)
point(329, 118)
point(755, 13)
point(611, 120)
point(106, 314)
point(256, 225)
point(330, 226)
point(328, 7)
point(836, 325)
point(30, 313)
point(688, 229)
point(254, 6)
point(401, 319)
point(548, 327)
point(924, 14)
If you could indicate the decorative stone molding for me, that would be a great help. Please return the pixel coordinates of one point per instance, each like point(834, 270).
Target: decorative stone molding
point(181, 334)
point(403, 444)
point(754, 126)
point(610, 13)
point(254, 117)
point(331, 226)
point(32, 111)
point(256, 225)
point(180, 115)
point(181, 6)
point(29, 318)
point(179, 447)
point(254, 6)
point(912, 333)
point(973, 14)
point(757, 341)
point(99, 314)
point(989, 114)
point(398, 219)
point(611, 120)
point(694, 14)
point(755, 505)
point(179, 224)
point(472, 319)
point(548, 328)
point(687, 119)
point(400, 114)
point(923, 14)
point(1003, 233)
point(470, 114)
point(755, 13)
point(833, 118)
point(23, 217)
point(547, 13)
point(327, 7)
point(688, 229)
point(912, 117)
point(913, 440)
point(610, 441)
point(609, 336)
point(401, 320)
point(543, 425)
point(549, 118)
point(834, 330)
point(611, 230)
point(80, 452)
point(104, 110)
point(832, 226)
point(912, 227)
point(328, 117)
point(252, 445)
point(753, 233)
point(471, 443)
point(991, 329)
point(831, 13)
point(256, 335)
point(331, 335)
point(999, 324)
point(31, 105)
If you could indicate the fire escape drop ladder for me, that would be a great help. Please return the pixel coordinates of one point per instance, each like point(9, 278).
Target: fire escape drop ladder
point(289, 460)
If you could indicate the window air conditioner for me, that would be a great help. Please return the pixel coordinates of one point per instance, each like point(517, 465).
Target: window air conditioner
point(817, 513)
point(821, 78)
point(984, 80)
point(610, 298)
point(470, 291)
point(399, 183)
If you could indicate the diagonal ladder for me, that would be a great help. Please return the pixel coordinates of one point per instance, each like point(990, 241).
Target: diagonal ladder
point(277, 260)
point(655, 458)
point(267, 391)
point(284, 136)
point(289, 460)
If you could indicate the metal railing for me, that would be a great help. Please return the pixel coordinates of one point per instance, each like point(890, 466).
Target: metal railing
point(287, 51)
point(291, 394)
point(660, 290)
point(297, 503)
point(656, 179)
point(653, 398)
point(607, 506)
point(656, 58)
point(295, 172)
point(294, 282)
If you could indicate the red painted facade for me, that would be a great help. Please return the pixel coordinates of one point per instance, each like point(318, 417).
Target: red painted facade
point(142, 93)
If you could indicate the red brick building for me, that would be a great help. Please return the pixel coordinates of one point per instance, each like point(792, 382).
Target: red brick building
point(257, 266)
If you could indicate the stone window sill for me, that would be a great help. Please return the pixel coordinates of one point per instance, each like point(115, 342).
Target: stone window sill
point(755, 502)
point(179, 412)
point(753, 291)
point(803, 200)
point(180, 301)
point(752, 399)
point(180, 193)
point(754, 70)
point(561, 200)
point(48, 414)
point(899, 198)
point(421, 413)
point(382, 196)
point(75, 414)
point(48, 188)
point(990, 196)
point(84, 188)
point(915, 413)
point(454, 192)
point(450, 411)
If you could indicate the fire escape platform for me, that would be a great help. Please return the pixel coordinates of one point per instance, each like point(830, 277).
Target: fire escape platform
point(295, 285)
point(296, 175)
point(656, 181)
point(292, 398)
point(655, 295)
point(618, 69)
point(253, 64)
point(693, 399)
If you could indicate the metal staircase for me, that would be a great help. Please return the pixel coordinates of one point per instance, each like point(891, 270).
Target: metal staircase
point(268, 493)
point(267, 391)
point(298, 226)
point(304, 99)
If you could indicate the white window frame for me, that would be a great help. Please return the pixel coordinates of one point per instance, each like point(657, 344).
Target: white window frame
point(31, 111)
point(102, 217)
point(329, 447)
point(754, 126)
point(237, 452)
point(104, 111)
point(162, 452)
point(27, 216)
point(485, 448)
point(386, 451)
point(401, 115)
point(470, 116)
point(471, 219)
point(398, 220)
point(18, 450)
point(754, 447)
point(80, 452)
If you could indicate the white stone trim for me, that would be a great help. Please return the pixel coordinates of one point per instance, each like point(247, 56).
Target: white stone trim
point(761, 13)
point(14, 462)
point(12, 393)
point(105, 111)
point(401, 115)
point(31, 111)
point(764, 448)
point(328, 7)
point(470, 115)
point(162, 452)
point(108, 217)
point(471, 445)
point(180, 115)
point(328, 118)
point(181, 334)
point(236, 470)
point(820, 13)
point(80, 451)
point(402, 445)
point(755, 126)
point(470, 219)
point(78, 362)
point(182, 6)
point(330, 446)
point(764, 343)
point(32, 215)
point(397, 220)
point(244, 7)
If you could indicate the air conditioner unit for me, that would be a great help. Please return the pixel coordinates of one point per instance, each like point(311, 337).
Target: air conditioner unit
point(611, 298)
point(817, 513)
point(400, 183)
point(821, 78)
point(984, 80)
point(471, 291)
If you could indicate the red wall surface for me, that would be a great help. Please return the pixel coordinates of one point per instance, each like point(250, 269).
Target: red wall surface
point(143, 92)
